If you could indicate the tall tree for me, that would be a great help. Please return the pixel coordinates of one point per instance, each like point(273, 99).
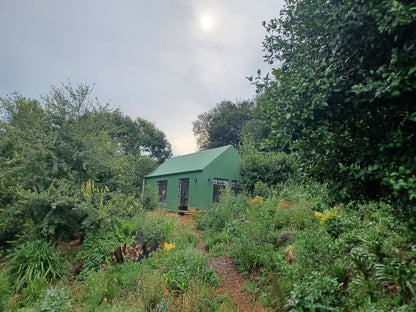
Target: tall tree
point(343, 95)
point(222, 125)
point(52, 155)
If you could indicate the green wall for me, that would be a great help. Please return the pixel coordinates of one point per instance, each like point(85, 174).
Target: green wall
point(225, 166)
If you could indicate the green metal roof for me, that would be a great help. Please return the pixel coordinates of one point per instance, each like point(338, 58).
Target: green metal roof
point(187, 163)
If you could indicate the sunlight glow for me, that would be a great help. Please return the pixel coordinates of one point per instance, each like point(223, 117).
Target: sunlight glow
point(206, 22)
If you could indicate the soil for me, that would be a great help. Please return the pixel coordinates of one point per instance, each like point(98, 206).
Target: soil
point(231, 281)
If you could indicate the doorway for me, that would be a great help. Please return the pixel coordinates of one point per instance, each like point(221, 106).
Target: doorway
point(183, 193)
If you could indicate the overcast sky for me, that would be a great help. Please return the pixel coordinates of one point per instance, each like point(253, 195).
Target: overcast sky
point(166, 61)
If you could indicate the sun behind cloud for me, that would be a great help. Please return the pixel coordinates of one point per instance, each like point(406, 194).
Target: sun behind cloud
point(207, 22)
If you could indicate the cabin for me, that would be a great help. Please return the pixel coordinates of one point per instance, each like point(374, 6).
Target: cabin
point(196, 180)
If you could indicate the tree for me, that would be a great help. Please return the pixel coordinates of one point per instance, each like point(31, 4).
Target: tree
point(53, 154)
point(343, 95)
point(135, 137)
point(222, 125)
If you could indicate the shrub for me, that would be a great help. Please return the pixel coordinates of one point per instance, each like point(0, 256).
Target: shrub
point(150, 197)
point(35, 261)
point(298, 215)
point(95, 251)
point(182, 265)
point(269, 168)
point(315, 292)
point(312, 249)
point(131, 286)
point(229, 208)
point(56, 299)
point(400, 274)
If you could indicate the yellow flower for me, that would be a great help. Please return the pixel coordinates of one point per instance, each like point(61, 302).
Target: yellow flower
point(326, 216)
point(168, 246)
point(318, 214)
point(258, 200)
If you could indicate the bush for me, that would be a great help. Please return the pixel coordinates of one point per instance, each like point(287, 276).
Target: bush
point(32, 265)
point(269, 168)
point(150, 197)
point(33, 261)
point(183, 265)
point(56, 299)
point(228, 209)
point(131, 286)
point(315, 292)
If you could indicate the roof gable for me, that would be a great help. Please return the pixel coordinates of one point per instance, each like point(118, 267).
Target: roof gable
point(187, 163)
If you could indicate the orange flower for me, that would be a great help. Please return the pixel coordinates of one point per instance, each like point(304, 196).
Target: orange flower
point(166, 293)
point(105, 299)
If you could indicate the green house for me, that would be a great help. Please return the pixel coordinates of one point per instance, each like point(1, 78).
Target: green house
point(196, 180)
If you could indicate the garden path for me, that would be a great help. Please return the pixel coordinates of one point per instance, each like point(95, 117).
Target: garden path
point(231, 281)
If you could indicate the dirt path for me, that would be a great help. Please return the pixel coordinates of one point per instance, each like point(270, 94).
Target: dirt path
point(231, 281)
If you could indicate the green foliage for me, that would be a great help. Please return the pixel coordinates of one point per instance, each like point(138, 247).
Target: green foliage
point(268, 168)
point(32, 265)
point(220, 214)
point(183, 265)
point(56, 299)
point(315, 292)
point(400, 274)
point(5, 291)
point(65, 162)
point(125, 283)
point(342, 96)
point(222, 125)
point(303, 255)
point(95, 251)
point(149, 199)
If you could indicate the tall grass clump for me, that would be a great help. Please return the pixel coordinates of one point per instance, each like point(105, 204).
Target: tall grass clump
point(181, 266)
point(32, 265)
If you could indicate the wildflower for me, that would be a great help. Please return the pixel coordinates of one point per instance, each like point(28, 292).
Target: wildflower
point(318, 214)
point(166, 293)
point(291, 303)
point(258, 200)
point(105, 299)
point(328, 215)
point(169, 246)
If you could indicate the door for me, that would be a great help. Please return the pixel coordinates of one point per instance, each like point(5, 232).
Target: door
point(183, 193)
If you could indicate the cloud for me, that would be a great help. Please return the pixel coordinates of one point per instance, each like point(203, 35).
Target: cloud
point(149, 58)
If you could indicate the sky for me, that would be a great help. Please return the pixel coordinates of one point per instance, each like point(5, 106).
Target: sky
point(166, 61)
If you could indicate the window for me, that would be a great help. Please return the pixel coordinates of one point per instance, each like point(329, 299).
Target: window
point(162, 187)
point(219, 187)
point(236, 187)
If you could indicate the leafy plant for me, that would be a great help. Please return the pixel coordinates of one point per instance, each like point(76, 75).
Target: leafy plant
point(56, 299)
point(400, 274)
point(34, 261)
point(149, 199)
point(182, 265)
point(95, 251)
point(5, 291)
point(315, 292)
point(268, 168)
